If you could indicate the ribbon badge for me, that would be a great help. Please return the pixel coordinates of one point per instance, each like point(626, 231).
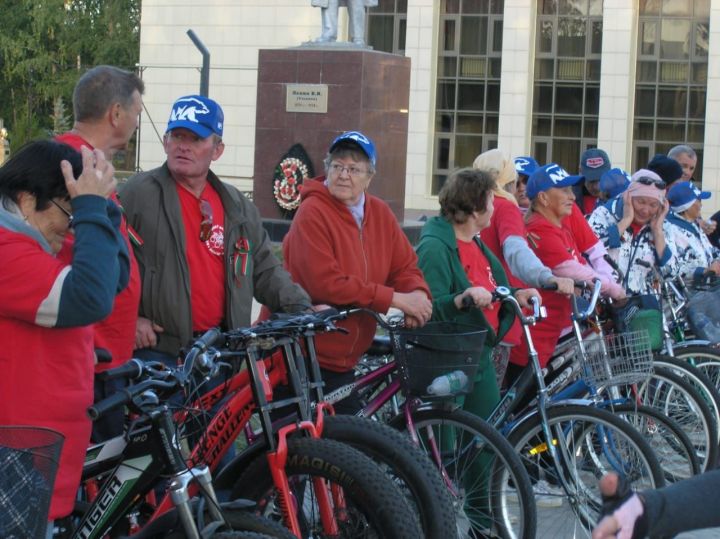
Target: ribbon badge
point(241, 259)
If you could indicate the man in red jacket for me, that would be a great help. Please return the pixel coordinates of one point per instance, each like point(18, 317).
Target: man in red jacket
point(344, 248)
point(107, 102)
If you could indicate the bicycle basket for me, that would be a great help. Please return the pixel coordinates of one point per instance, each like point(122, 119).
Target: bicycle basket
point(619, 358)
point(437, 349)
point(29, 458)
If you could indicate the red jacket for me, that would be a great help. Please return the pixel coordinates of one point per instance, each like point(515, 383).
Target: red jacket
point(46, 312)
point(340, 264)
point(117, 332)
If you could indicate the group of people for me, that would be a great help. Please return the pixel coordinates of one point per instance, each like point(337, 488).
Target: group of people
point(177, 251)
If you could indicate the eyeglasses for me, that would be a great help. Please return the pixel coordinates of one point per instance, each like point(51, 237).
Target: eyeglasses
point(645, 180)
point(352, 171)
point(207, 220)
point(66, 212)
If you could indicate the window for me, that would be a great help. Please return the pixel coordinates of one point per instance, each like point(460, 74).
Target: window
point(468, 86)
point(671, 78)
point(566, 92)
point(386, 25)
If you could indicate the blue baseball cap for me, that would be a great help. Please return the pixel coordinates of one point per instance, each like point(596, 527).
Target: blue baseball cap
point(614, 181)
point(547, 177)
point(366, 145)
point(199, 114)
point(525, 165)
point(594, 162)
point(682, 195)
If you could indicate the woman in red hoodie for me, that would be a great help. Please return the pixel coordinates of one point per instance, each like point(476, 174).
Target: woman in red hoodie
point(345, 248)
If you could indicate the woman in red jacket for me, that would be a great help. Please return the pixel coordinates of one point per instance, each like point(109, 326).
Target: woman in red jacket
point(46, 306)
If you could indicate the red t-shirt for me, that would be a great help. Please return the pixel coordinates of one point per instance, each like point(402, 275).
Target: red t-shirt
point(589, 204)
point(479, 273)
point(117, 332)
point(506, 221)
point(206, 260)
point(553, 245)
point(579, 228)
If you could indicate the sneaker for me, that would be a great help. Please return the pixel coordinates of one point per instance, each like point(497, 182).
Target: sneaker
point(547, 495)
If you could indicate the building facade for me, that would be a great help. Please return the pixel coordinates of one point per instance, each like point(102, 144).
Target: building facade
point(547, 78)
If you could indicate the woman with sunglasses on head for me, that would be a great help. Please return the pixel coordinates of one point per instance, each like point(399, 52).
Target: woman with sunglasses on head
point(47, 306)
point(635, 232)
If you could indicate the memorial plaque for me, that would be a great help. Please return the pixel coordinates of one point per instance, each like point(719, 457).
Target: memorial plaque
point(306, 98)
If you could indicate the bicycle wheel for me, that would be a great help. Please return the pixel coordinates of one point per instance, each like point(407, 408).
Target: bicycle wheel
point(493, 492)
point(672, 446)
point(405, 463)
point(241, 522)
point(685, 367)
point(590, 442)
point(675, 397)
point(372, 505)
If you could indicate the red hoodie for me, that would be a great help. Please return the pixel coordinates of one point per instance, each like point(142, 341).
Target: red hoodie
point(340, 264)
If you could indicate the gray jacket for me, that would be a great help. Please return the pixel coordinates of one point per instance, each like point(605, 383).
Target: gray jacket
point(152, 207)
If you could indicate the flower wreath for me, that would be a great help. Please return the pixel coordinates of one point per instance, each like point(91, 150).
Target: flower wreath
point(289, 175)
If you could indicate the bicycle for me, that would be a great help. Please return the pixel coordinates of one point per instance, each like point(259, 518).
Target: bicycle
point(353, 479)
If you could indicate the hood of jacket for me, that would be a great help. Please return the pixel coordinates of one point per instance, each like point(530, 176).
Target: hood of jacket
point(437, 227)
point(316, 189)
point(13, 221)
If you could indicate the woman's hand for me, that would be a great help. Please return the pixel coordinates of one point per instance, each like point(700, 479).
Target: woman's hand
point(714, 267)
point(565, 285)
point(628, 213)
point(524, 294)
point(480, 297)
point(657, 221)
point(97, 177)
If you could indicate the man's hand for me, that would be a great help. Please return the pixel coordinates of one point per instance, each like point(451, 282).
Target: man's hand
point(416, 306)
point(626, 507)
point(523, 296)
point(565, 285)
point(146, 333)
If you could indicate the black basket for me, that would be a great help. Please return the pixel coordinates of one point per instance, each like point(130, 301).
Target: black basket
point(29, 458)
point(437, 349)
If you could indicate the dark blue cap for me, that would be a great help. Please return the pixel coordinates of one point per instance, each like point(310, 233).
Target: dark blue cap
point(199, 114)
point(614, 181)
point(547, 177)
point(366, 145)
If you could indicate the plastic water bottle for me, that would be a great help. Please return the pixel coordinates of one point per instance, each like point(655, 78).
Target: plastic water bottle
point(705, 327)
point(448, 384)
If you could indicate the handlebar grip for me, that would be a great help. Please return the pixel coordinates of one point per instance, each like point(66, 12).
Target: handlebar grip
point(210, 337)
point(643, 263)
point(104, 406)
point(551, 286)
point(467, 303)
point(103, 355)
point(132, 369)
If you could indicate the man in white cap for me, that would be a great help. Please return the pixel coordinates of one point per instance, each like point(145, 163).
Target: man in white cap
point(205, 254)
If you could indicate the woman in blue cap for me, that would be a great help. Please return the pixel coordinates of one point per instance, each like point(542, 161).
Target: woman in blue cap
point(697, 258)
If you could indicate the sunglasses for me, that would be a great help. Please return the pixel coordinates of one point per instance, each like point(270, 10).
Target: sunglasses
point(66, 212)
point(207, 220)
point(644, 180)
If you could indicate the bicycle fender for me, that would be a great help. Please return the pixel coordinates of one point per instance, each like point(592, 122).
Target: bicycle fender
point(531, 414)
point(225, 478)
point(693, 342)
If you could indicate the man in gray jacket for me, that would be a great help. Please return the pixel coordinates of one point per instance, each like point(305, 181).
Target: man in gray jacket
point(203, 253)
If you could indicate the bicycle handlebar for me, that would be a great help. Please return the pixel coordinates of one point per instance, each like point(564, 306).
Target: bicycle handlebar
point(127, 395)
point(130, 370)
point(579, 315)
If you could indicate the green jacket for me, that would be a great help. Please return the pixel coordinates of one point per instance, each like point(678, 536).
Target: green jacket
point(439, 260)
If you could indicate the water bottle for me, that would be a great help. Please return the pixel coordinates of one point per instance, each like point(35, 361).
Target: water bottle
point(448, 384)
point(705, 328)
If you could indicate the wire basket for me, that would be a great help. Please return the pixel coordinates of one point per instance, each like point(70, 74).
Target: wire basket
point(29, 458)
point(618, 359)
point(435, 350)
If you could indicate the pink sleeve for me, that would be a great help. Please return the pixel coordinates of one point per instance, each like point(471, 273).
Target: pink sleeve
point(582, 272)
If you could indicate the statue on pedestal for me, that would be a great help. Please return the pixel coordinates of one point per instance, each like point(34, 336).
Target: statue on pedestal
point(356, 12)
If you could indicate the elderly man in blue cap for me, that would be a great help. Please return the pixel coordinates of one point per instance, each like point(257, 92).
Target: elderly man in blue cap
point(202, 250)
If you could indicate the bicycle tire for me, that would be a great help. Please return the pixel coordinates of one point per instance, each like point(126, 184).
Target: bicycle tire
point(672, 446)
point(675, 397)
point(242, 521)
point(242, 535)
point(584, 457)
point(681, 365)
point(371, 496)
point(472, 436)
point(405, 462)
